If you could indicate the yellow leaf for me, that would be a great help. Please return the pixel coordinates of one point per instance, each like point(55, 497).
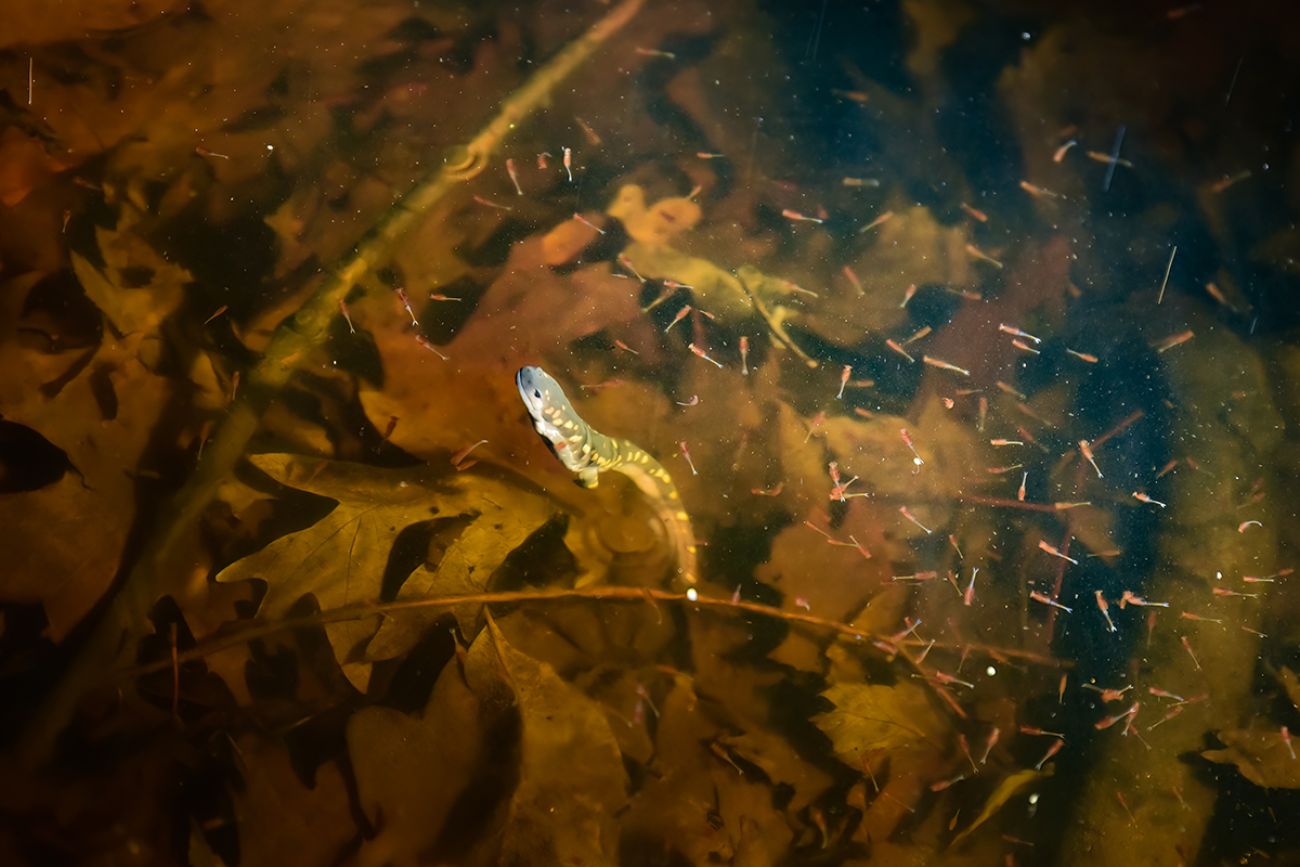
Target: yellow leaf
point(63, 542)
point(1006, 790)
point(572, 783)
point(1261, 755)
point(411, 771)
point(868, 718)
point(282, 820)
point(137, 289)
point(342, 559)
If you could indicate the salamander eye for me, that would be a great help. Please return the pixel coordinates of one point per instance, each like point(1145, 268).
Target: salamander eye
point(537, 395)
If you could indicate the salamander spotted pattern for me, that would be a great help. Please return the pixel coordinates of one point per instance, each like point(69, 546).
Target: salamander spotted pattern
point(588, 453)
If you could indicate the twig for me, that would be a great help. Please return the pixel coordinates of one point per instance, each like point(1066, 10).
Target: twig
point(176, 677)
point(255, 629)
point(1114, 158)
point(1059, 580)
point(125, 617)
point(1008, 504)
point(1160, 297)
point(1129, 420)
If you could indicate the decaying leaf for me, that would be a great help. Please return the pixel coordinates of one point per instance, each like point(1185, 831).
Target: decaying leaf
point(1006, 790)
point(475, 555)
point(138, 288)
point(199, 852)
point(836, 581)
point(280, 819)
point(411, 771)
point(343, 558)
point(25, 165)
point(777, 759)
point(881, 616)
point(30, 21)
point(571, 778)
point(913, 243)
point(707, 811)
point(871, 717)
point(657, 224)
point(63, 542)
point(97, 404)
point(1260, 754)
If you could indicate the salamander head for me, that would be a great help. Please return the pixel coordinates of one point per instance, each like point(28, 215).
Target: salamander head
point(538, 390)
point(555, 419)
point(546, 404)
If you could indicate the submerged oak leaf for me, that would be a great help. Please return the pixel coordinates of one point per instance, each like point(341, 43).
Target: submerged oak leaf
point(412, 770)
point(137, 288)
point(282, 820)
point(869, 718)
point(343, 558)
point(468, 565)
point(712, 807)
point(780, 762)
point(508, 764)
point(1262, 755)
point(571, 780)
point(911, 247)
point(99, 407)
point(836, 581)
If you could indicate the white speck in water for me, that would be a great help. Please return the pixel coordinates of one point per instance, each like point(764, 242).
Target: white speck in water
point(691, 594)
point(991, 671)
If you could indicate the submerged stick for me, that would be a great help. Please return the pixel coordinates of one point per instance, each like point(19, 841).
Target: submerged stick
point(255, 629)
point(126, 615)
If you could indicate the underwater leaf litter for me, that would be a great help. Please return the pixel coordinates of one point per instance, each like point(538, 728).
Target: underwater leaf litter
point(899, 429)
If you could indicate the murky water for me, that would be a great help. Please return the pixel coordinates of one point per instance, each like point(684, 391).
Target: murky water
point(907, 480)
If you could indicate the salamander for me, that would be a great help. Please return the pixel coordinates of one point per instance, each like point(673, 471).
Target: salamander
point(588, 453)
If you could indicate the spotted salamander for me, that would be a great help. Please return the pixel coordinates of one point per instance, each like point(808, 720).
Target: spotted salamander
point(588, 453)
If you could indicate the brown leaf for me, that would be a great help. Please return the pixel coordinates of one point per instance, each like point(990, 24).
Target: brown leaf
point(834, 581)
point(280, 819)
point(882, 615)
point(777, 758)
point(64, 541)
point(24, 165)
point(342, 558)
point(868, 718)
point(200, 854)
point(1260, 754)
point(913, 244)
point(526, 300)
point(411, 771)
point(706, 810)
point(137, 289)
point(571, 778)
point(30, 22)
point(467, 567)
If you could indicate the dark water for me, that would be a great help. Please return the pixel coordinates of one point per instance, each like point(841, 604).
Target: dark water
point(964, 335)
